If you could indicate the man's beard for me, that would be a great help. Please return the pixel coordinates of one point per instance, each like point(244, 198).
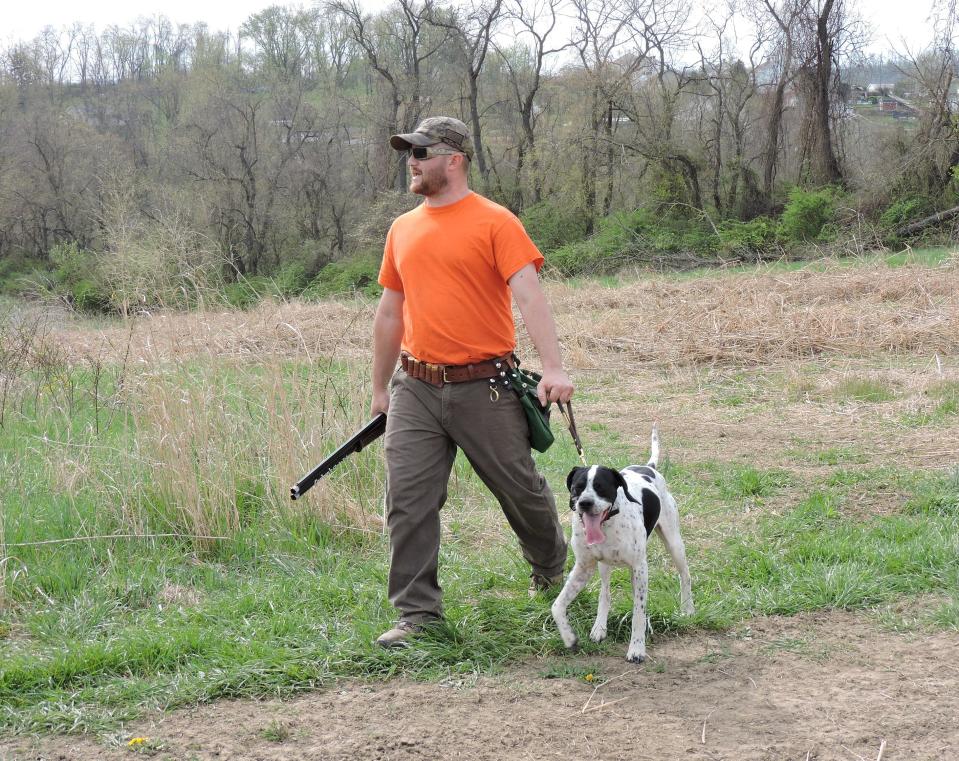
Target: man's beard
point(429, 185)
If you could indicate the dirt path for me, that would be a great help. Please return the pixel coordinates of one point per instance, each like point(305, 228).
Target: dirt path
point(818, 687)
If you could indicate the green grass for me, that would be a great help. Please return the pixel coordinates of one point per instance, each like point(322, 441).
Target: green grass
point(940, 406)
point(743, 481)
point(95, 633)
point(864, 390)
point(840, 455)
point(106, 646)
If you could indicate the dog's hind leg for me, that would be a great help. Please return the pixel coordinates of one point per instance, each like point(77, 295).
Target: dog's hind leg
point(598, 634)
point(668, 530)
point(637, 641)
point(578, 579)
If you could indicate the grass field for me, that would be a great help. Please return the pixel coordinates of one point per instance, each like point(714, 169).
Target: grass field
point(150, 556)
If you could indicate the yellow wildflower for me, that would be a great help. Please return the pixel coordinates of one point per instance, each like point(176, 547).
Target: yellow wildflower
point(136, 742)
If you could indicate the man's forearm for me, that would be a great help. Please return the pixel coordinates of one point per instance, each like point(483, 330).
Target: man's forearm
point(387, 336)
point(555, 385)
point(542, 331)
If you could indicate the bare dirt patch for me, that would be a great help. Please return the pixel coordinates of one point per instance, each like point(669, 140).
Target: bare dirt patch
point(818, 687)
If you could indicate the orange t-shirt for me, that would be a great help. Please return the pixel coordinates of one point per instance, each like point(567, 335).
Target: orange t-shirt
point(452, 264)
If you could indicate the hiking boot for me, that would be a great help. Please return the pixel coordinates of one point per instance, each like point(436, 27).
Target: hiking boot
point(540, 583)
point(400, 635)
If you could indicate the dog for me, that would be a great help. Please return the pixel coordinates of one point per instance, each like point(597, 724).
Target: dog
point(616, 511)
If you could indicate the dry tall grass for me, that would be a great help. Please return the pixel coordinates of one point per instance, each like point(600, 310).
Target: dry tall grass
point(757, 319)
point(209, 442)
point(230, 408)
point(744, 319)
point(224, 441)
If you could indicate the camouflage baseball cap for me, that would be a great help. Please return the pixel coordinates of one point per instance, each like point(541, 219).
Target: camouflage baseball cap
point(437, 129)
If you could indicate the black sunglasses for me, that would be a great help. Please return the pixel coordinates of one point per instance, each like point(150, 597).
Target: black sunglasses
point(424, 152)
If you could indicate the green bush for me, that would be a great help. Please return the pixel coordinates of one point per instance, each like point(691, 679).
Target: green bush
point(551, 226)
point(77, 278)
point(616, 236)
point(806, 214)
point(630, 236)
point(348, 276)
point(248, 291)
point(13, 271)
point(753, 238)
point(87, 296)
point(292, 279)
point(904, 210)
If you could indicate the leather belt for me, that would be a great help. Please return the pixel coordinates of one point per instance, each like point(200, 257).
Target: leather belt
point(437, 375)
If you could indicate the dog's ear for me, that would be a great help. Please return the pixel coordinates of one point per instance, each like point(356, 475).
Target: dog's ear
point(621, 482)
point(572, 476)
point(651, 509)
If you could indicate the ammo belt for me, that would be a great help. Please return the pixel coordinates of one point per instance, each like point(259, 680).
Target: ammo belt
point(437, 375)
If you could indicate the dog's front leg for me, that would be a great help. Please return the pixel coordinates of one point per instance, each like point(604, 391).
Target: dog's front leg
point(578, 578)
point(598, 634)
point(637, 642)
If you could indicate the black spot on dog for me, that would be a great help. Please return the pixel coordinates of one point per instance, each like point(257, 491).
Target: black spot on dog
point(576, 482)
point(606, 482)
point(651, 510)
point(646, 471)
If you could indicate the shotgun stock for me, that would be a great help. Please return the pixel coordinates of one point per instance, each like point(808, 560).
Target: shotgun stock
point(362, 438)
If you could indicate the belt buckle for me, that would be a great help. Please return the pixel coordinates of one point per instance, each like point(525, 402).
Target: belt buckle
point(445, 379)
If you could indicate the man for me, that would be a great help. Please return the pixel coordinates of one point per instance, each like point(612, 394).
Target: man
point(449, 267)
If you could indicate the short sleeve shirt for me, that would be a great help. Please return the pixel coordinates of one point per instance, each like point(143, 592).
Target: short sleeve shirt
point(452, 264)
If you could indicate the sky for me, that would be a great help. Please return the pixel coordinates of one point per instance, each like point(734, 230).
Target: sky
point(893, 20)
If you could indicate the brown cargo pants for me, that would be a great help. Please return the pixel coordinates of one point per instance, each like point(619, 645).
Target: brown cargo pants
point(424, 427)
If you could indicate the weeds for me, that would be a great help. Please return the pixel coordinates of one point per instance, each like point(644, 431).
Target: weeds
point(196, 425)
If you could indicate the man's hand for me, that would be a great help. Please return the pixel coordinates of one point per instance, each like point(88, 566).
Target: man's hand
point(380, 403)
point(555, 386)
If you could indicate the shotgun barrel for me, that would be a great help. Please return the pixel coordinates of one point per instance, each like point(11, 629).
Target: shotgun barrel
point(362, 438)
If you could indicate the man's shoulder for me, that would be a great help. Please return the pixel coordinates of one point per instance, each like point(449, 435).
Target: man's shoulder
point(412, 214)
point(490, 207)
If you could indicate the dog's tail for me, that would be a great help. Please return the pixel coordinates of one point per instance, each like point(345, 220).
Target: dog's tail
point(654, 447)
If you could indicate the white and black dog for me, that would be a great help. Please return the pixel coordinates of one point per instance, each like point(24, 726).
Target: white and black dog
point(617, 511)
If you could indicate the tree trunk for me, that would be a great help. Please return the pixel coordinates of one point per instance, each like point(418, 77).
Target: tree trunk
point(933, 219)
point(477, 136)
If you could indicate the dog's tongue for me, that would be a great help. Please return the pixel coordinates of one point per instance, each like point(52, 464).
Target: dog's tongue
point(594, 528)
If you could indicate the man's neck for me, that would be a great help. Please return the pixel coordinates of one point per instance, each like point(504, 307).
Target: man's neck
point(448, 195)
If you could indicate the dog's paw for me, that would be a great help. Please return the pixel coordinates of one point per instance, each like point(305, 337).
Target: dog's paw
point(598, 633)
point(573, 648)
point(635, 657)
point(687, 609)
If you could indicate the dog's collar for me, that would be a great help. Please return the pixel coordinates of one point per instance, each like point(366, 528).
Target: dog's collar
point(614, 510)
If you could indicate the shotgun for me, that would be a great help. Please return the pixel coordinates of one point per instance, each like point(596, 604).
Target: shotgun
point(362, 438)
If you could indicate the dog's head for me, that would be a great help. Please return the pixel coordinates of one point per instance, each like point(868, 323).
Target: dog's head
point(593, 492)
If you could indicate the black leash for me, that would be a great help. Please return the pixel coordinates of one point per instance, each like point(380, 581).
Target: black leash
point(567, 412)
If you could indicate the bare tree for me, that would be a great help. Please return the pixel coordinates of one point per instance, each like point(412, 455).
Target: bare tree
point(934, 154)
point(471, 28)
point(779, 22)
point(537, 21)
point(829, 33)
point(282, 38)
point(241, 144)
point(728, 87)
point(626, 50)
point(396, 47)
